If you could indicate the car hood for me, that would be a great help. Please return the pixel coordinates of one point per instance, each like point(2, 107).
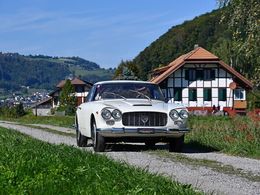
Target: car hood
point(129, 105)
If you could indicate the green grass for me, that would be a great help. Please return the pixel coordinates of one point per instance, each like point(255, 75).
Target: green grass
point(29, 166)
point(63, 121)
point(237, 136)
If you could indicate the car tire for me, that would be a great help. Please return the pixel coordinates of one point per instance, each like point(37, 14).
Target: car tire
point(150, 144)
point(98, 140)
point(176, 144)
point(82, 140)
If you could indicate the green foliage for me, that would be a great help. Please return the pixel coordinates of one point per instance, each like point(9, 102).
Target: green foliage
point(68, 99)
point(239, 135)
point(243, 20)
point(126, 70)
point(45, 71)
point(28, 166)
point(12, 112)
point(232, 33)
point(205, 30)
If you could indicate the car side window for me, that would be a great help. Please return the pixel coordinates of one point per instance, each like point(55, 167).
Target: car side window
point(91, 94)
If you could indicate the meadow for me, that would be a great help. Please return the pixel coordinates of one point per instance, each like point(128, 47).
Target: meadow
point(29, 166)
point(238, 135)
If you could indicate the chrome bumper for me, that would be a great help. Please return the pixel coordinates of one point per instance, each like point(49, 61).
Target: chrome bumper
point(141, 132)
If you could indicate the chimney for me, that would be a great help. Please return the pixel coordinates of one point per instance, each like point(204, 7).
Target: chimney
point(196, 46)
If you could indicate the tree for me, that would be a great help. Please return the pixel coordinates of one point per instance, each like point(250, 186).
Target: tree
point(67, 98)
point(243, 18)
point(126, 70)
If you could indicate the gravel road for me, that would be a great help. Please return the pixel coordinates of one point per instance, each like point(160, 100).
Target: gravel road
point(243, 179)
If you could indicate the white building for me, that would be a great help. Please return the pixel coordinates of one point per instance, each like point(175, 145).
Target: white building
point(200, 80)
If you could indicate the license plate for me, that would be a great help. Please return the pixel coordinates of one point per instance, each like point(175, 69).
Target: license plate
point(146, 130)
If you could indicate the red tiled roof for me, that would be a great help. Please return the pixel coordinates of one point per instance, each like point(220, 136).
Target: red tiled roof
point(75, 81)
point(198, 54)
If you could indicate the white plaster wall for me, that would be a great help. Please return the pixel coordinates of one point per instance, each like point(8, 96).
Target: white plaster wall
point(199, 92)
point(192, 84)
point(222, 82)
point(200, 102)
point(185, 101)
point(193, 104)
point(207, 83)
point(199, 83)
point(185, 92)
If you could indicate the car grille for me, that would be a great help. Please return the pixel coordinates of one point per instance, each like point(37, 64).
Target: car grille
point(155, 119)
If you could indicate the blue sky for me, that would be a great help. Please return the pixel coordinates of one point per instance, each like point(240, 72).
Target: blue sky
point(103, 31)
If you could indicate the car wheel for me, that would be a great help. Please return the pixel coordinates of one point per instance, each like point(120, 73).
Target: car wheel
point(98, 140)
point(176, 144)
point(82, 140)
point(150, 144)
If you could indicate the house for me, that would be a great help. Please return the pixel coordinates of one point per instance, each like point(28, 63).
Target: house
point(202, 81)
point(81, 91)
point(42, 108)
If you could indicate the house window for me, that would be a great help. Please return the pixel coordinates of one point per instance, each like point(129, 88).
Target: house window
point(209, 74)
point(199, 74)
point(190, 74)
point(239, 94)
point(192, 94)
point(207, 94)
point(177, 94)
point(222, 94)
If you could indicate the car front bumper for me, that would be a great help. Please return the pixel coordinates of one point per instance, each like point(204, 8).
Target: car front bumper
point(142, 132)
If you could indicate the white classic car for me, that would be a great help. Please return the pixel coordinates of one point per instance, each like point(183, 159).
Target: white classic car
point(129, 111)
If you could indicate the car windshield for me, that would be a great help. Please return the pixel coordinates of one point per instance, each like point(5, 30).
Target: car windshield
point(128, 91)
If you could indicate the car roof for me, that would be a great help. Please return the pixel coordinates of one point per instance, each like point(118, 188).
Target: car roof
point(122, 81)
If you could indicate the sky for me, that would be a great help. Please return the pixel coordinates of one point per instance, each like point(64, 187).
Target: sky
point(102, 31)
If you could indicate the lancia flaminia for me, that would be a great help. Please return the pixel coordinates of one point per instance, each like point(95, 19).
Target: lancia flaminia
point(129, 111)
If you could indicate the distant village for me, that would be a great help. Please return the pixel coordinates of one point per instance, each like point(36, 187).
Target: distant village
point(26, 100)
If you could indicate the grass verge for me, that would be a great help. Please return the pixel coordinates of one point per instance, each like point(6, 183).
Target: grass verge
point(63, 121)
point(29, 166)
point(238, 135)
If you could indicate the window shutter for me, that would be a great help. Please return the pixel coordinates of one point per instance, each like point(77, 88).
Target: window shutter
point(192, 95)
point(207, 94)
point(222, 94)
point(186, 74)
point(178, 94)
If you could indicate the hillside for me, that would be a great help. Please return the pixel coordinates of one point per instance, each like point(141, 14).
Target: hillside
point(234, 37)
point(204, 30)
point(45, 71)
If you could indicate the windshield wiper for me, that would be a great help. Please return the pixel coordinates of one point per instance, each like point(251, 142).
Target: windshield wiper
point(115, 94)
point(142, 94)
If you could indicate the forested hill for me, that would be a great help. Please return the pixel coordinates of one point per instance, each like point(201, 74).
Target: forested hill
point(205, 30)
point(231, 32)
point(44, 71)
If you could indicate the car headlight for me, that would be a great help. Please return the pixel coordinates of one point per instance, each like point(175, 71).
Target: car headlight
point(174, 114)
point(117, 115)
point(106, 114)
point(184, 114)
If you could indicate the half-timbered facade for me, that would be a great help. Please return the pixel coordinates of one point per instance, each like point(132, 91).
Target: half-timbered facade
point(200, 80)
